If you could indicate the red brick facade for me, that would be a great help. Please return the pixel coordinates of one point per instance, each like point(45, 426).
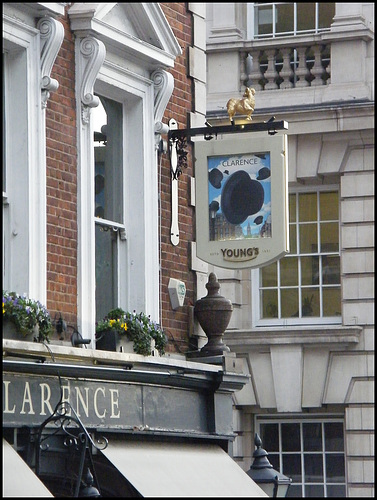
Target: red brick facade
point(175, 260)
point(62, 188)
point(62, 185)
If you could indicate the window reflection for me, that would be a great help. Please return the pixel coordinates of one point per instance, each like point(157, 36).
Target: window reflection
point(301, 451)
point(108, 195)
point(306, 282)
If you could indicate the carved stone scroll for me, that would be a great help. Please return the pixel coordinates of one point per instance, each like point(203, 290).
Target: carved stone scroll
point(52, 35)
point(163, 89)
point(92, 54)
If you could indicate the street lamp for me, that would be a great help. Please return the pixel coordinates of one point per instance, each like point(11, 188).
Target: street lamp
point(270, 480)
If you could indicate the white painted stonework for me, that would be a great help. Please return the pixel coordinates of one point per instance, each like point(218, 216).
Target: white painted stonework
point(315, 369)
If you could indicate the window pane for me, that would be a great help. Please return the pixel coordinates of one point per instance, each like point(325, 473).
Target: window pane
point(329, 237)
point(329, 206)
point(310, 302)
point(335, 468)
point(326, 12)
point(263, 20)
point(308, 238)
point(292, 208)
point(313, 468)
point(305, 16)
point(108, 154)
point(331, 270)
point(309, 270)
point(292, 467)
point(292, 238)
point(273, 458)
point(269, 301)
point(294, 491)
point(334, 440)
point(331, 301)
point(269, 275)
point(269, 434)
point(312, 433)
point(289, 271)
point(284, 18)
point(307, 204)
point(314, 491)
point(289, 302)
point(336, 491)
point(290, 434)
point(106, 265)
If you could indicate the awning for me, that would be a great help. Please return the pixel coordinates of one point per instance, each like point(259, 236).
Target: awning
point(18, 479)
point(159, 469)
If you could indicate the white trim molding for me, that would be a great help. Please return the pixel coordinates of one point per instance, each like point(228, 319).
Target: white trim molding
point(25, 162)
point(90, 54)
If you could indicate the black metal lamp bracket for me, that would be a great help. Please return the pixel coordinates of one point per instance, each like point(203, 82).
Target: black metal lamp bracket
point(178, 138)
point(65, 420)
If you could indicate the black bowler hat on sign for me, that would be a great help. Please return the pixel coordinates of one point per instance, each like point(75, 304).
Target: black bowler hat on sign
point(241, 197)
point(215, 177)
point(263, 173)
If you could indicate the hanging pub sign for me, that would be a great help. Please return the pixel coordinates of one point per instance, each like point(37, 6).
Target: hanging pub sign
point(241, 201)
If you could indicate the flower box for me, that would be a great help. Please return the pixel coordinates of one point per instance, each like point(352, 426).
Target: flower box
point(130, 332)
point(25, 318)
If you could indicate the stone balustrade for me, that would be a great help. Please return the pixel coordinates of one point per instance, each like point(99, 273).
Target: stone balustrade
point(285, 67)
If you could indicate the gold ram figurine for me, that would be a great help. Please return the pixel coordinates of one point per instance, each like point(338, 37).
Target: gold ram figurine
point(244, 106)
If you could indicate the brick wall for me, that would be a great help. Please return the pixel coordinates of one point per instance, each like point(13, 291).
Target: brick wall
point(62, 186)
point(175, 260)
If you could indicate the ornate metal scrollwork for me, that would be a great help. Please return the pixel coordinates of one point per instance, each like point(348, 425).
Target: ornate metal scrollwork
point(180, 145)
point(75, 438)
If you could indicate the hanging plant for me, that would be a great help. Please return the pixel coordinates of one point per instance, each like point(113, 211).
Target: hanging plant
point(27, 315)
point(138, 327)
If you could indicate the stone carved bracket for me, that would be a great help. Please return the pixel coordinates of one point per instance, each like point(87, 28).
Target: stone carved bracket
point(92, 53)
point(163, 89)
point(52, 35)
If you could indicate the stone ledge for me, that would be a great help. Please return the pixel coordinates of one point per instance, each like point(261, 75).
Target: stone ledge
point(293, 335)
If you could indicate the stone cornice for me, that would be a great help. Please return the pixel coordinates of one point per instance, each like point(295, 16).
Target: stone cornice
point(238, 340)
point(88, 20)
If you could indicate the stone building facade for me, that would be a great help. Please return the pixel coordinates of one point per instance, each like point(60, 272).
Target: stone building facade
point(89, 93)
point(304, 327)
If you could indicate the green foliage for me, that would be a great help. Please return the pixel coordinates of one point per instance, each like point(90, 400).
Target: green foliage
point(138, 327)
point(26, 314)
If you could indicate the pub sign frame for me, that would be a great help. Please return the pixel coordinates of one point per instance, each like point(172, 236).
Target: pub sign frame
point(242, 200)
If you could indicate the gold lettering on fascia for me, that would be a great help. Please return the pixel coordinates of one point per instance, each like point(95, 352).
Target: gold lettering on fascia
point(240, 254)
point(27, 401)
point(102, 401)
point(6, 408)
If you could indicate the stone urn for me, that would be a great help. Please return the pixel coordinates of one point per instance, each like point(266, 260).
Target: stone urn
point(213, 313)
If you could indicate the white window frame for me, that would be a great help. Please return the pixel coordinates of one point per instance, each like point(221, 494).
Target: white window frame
point(257, 321)
point(252, 20)
point(138, 270)
point(24, 202)
point(137, 67)
point(323, 418)
point(138, 258)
